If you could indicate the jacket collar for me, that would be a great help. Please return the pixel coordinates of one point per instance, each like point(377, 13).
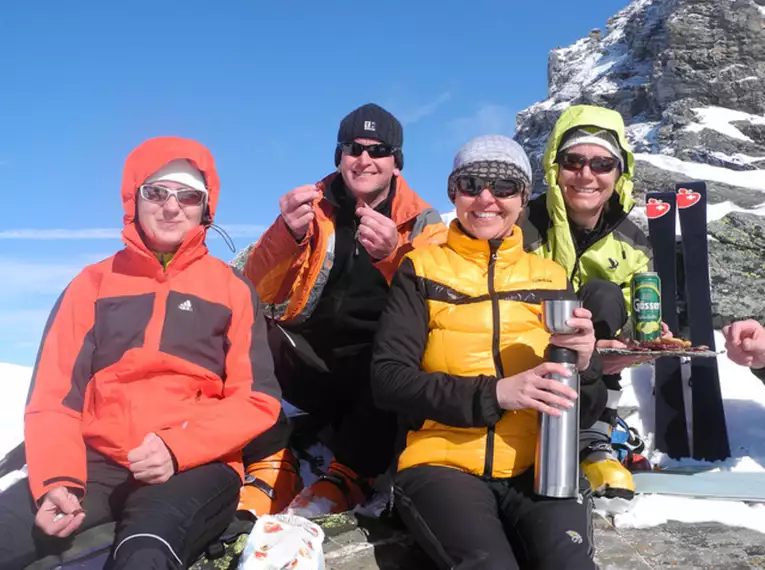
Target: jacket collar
point(508, 250)
point(192, 249)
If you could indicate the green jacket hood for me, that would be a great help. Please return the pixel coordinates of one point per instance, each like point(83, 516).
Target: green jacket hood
point(560, 241)
point(587, 116)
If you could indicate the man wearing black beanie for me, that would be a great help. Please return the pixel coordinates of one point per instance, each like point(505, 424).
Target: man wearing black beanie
point(322, 271)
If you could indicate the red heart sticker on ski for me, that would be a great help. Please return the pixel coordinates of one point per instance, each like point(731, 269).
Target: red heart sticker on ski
point(687, 198)
point(656, 208)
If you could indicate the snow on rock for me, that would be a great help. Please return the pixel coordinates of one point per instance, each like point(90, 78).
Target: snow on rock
point(695, 171)
point(652, 66)
point(719, 119)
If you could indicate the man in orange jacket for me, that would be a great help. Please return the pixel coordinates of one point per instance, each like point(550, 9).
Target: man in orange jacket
point(323, 269)
point(153, 373)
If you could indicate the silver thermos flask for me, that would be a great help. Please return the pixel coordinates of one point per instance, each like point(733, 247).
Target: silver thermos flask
point(556, 470)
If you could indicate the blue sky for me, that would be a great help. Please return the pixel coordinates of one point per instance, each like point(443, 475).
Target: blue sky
point(263, 85)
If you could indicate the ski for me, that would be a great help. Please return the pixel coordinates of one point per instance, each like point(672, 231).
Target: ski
point(671, 432)
point(728, 485)
point(710, 433)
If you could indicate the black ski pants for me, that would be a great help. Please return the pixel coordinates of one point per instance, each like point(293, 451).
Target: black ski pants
point(335, 393)
point(465, 522)
point(159, 527)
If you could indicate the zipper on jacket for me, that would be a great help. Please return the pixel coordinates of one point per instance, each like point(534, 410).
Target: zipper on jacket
point(495, 351)
point(608, 228)
point(575, 269)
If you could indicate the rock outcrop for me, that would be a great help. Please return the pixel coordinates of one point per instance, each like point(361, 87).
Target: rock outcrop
point(688, 76)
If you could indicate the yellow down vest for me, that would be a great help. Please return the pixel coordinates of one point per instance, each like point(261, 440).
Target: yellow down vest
point(484, 302)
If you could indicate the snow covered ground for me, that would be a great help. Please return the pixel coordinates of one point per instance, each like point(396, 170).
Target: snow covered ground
point(744, 403)
point(15, 384)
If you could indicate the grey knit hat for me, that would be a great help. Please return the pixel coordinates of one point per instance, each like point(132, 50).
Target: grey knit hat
point(492, 157)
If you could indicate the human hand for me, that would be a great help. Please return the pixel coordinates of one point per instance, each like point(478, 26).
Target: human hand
point(60, 513)
point(745, 343)
point(297, 209)
point(151, 462)
point(377, 232)
point(530, 389)
point(582, 341)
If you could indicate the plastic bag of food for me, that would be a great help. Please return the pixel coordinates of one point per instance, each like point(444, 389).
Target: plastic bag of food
point(283, 542)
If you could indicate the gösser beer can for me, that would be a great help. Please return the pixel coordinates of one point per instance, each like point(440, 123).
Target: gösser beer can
point(646, 306)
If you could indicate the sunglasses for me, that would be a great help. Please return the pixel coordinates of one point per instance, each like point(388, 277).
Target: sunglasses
point(160, 195)
point(377, 150)
point(598, 165)
point(501, 188)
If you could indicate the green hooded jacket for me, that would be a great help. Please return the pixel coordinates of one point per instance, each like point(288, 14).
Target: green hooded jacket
point(618, 248)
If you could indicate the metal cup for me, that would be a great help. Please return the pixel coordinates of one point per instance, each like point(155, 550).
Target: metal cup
point(555, 313)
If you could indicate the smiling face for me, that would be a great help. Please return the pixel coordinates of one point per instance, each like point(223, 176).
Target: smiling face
point(584, 191)
point(366, 177)
point(164, 226)
point(487, 217)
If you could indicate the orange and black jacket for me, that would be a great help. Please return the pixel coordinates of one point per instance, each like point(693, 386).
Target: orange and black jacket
point(290, 276)
point(132, 347)
point(460, 316)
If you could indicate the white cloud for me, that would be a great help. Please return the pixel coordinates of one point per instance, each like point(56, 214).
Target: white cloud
point(416, 114)
point(24, 278)
point(57, 234)
point(22, 329)
point(487, 119)
point(235, 230)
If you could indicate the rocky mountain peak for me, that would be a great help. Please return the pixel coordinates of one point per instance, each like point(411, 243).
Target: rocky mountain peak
point(688, 76)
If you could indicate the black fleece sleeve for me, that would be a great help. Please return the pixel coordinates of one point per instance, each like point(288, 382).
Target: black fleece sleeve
point(759, 372)
point(593, 394)
point(398, 382)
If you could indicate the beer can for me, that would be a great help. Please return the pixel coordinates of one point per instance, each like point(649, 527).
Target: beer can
point(646, 306)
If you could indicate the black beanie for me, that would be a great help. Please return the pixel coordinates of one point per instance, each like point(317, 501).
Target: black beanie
point(371, 121)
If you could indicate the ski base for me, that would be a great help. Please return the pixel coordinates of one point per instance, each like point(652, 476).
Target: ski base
point(727, 485)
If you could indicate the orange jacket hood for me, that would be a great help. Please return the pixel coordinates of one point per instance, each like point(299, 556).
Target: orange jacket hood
point(150, 156)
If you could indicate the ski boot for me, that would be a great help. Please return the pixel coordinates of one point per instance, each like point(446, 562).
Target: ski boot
point(601, 464)
point(339, 490)
point(270, 484)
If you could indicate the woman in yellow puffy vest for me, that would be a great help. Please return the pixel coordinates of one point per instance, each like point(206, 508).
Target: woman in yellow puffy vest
point(459, 356)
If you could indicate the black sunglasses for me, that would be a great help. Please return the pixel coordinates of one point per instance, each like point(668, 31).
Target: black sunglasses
point(500, 188)
point(377, 150)
point(598, 165)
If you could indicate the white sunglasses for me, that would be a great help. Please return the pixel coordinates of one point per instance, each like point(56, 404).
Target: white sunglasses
point(184, 196)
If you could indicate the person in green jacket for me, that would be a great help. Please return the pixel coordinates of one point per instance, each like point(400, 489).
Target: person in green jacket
point(581, 222)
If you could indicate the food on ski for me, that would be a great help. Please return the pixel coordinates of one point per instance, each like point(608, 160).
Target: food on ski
point(665, 344)
point(661, 347)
